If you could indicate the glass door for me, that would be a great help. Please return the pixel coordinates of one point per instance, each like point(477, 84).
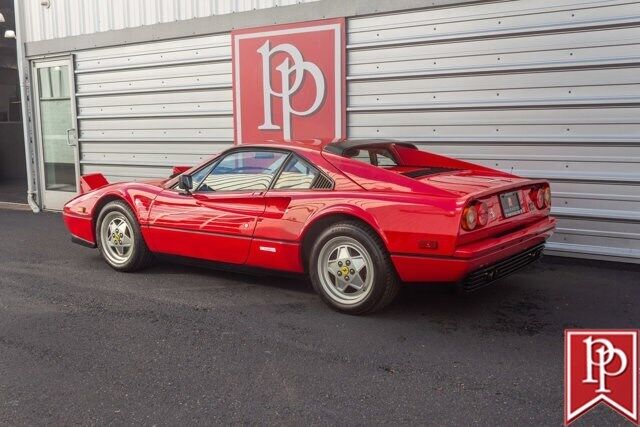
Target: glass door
point(56, 129)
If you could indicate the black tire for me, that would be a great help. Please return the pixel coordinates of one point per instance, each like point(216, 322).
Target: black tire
point(140, 256)
point(385, 283)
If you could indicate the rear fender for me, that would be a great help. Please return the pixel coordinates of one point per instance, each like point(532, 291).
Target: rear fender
point(346, 210)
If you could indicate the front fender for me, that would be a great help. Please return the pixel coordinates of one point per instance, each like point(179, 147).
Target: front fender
point(81, 213)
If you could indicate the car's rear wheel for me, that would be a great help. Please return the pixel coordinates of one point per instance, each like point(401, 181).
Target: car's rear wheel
point(119, 238)
point(351, 270)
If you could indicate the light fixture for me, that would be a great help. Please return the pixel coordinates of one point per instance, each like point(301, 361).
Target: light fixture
point(1, 17)
point(9, 34)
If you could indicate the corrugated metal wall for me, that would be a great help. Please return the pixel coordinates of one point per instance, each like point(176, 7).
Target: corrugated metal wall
point(64, 18)
point(143, 108)
point(544, 89)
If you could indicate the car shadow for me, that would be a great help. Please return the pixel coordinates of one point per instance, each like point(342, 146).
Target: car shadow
point(231, 274)
point(544, 298)
point(505, 297)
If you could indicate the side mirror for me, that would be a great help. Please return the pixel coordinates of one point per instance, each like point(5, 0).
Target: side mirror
point(185, 182)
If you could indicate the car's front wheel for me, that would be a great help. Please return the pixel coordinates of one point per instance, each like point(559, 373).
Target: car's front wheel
point(119, 239)
point(351, 270)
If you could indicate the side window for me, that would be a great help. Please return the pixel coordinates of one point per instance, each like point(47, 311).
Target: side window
point(373, 156)
point(384, 158)
point(243, 170)
point(297, 174)
point(199, 176)
point(361, 155)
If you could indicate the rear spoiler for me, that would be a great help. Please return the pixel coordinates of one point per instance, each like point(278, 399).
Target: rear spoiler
point(92, 182)
point(413, 157)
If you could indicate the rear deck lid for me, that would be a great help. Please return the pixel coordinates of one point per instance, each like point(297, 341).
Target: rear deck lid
point(462, 182)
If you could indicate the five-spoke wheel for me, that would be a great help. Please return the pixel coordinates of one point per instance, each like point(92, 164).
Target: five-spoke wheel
point(346, 269)
point(119, 238)
point(351, 270)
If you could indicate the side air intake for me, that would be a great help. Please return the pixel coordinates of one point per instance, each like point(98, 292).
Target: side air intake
point(322, 183)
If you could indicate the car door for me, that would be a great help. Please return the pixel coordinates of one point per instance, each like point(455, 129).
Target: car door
point(217, 219)
point(298, 192)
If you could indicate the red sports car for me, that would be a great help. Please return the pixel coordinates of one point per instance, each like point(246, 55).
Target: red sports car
point(360, 218)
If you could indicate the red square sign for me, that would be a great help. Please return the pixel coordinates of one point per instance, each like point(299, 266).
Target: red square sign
point(289, 82)
point(601, 366)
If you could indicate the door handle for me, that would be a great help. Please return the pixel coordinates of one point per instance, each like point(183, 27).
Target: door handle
point(71, 141)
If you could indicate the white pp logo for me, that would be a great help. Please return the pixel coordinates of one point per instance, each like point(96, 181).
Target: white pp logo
point(289, 82)
point(287, 69)
point(607, 353)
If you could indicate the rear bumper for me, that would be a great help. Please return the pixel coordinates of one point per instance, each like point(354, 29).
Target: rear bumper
point(473, 257)
point(484, 276)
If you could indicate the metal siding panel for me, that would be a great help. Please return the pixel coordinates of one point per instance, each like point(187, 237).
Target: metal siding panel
point(153, 147)
point(89, 58)
point(211, 102)
point(546, 90)
point(485, 20)
point(61, 18)
point(145, 108)
point(211, 75)
point(616, 46)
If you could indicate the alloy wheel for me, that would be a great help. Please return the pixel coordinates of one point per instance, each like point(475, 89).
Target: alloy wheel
point(345, 269)
point(116, 237)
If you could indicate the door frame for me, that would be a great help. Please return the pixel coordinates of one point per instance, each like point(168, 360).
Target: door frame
point(51, 199)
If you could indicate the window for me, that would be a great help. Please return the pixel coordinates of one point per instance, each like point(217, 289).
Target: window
point(243, 171)
point(362, 155)
point(374, 156)
point(385, 158)
point(200, 175)
point(297, 174)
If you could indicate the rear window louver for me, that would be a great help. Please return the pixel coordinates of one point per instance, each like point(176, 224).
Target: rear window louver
point(322, 183)
point(418, 173)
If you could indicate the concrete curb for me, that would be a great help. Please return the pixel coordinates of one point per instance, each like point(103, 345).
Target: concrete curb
point(15, 206)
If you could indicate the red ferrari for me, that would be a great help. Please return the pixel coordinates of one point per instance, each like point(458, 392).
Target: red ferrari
point(360, 218)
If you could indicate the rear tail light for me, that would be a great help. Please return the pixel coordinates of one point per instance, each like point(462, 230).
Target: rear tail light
point(475, 215)
point(547, 196)
point(483, 213)
point(470, 218)
point(537, 197)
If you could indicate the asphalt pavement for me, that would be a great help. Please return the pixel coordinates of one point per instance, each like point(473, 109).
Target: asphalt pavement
point(83, 344)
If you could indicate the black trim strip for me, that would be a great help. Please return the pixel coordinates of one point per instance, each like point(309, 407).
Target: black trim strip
point(82, 242)
point(233, 268)
point(341, 147)
point(419, 173)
